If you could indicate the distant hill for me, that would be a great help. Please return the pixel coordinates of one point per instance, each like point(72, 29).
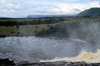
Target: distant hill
point(43, 16)
point(90, 12)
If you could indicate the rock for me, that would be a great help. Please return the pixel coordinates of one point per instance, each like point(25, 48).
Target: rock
point(6, 62)
point(59, 64)
point(43, 64)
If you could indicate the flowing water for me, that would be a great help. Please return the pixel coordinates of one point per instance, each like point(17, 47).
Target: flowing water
point(33, 49)
point(82, 57)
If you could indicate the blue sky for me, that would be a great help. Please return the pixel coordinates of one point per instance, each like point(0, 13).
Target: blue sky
point(22, 8)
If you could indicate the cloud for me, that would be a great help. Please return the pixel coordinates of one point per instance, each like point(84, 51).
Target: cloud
point(8, 6)
point(22, 8)
point(74, 0)
point(69, 9)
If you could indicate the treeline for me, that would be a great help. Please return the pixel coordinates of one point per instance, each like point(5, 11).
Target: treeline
point(55, 31)
point(33, 22)
point(60, 30)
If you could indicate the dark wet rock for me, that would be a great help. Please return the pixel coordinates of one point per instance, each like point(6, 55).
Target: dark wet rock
point(59, 64)
point(6, 62)
point(43, 64)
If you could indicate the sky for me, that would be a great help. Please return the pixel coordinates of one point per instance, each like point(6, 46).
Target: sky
point(23, 8)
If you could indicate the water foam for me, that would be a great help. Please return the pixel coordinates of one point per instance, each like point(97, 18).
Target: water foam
point(84, 56)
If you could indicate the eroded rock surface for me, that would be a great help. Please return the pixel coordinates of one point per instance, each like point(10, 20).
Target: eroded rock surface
point(59, 64)
point(7, 62)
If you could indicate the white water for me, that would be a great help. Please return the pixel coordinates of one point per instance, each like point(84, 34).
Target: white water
point(84, 56)
point(33, 49)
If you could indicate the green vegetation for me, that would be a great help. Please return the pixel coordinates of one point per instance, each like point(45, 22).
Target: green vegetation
point(59, 30)
point(41, 27)
point(90, 12)
point(21, 30)
point(12, 22)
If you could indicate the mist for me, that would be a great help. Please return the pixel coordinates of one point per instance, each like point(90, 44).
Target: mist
point(84, 36)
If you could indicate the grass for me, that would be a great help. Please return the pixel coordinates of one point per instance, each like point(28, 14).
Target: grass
point(32, 30)
point(7, 30)
point(23, 30)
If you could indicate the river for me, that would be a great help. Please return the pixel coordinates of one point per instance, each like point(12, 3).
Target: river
point(34, 49)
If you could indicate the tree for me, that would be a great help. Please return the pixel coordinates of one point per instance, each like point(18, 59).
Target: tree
point(48, 25)
point(36, 26)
